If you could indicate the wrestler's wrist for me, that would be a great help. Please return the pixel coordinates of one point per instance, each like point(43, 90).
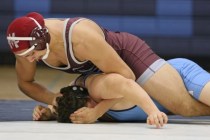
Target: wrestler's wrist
point(98, 112)
point(53, 113)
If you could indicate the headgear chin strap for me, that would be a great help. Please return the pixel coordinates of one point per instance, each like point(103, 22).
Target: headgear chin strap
point(39, 40)
point(47, 52)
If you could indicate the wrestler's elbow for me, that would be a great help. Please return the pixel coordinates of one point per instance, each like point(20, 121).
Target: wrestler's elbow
point(129, 75)
point(24, 85)
point(21, 86)
point(133, 77)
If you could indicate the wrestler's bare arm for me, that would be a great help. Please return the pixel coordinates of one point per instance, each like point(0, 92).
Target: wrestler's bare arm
point(114, 86)
point(86, 115)
point(89, 44)
point(91, 115)
point(25, 76)
point(127, 93)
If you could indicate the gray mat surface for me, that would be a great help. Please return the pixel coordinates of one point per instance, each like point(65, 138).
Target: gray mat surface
point(21, 110)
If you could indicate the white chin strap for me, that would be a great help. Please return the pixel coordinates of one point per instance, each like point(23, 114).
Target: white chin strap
point(32, 48)
point(47, 52)
point(27, 51)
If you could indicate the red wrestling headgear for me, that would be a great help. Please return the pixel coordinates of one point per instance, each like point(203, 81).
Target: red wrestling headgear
point(28, 32)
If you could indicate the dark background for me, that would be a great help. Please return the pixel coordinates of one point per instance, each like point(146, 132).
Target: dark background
point(173, 28)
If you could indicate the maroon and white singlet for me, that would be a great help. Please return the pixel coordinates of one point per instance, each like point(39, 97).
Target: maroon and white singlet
point(134, 51)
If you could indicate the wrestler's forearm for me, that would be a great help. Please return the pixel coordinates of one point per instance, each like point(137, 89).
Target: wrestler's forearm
point(134, 93)
point(104, 105)
point(108, 88)
point(142, 99)
point(37, 92)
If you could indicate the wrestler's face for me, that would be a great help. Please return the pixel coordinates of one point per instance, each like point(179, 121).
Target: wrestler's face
point(34, 55)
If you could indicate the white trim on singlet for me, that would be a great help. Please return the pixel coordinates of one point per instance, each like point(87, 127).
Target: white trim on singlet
point(70, 44)
point(64, 38)
point(150, 71)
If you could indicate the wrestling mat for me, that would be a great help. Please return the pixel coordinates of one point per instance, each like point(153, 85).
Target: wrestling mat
point(21, 110)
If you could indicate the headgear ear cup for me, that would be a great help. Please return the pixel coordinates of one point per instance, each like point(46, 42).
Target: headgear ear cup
point(42, 38)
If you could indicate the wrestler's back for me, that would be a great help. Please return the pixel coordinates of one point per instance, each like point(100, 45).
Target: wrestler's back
point(134, 51)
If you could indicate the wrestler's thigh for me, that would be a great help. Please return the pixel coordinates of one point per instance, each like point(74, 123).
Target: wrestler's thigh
point(167, 87)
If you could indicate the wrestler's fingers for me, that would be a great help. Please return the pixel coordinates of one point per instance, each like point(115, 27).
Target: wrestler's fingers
point(160, 118)
point(77, 122)
point(73, 117)
point(80, 110)
point(148, 121)
point(151, 120)
point(43, 111)
point(80, 121)
point(38, 109)
point(39, 112)
point(79, 115)
point(156, 121)
point(36, 116)
point(165, 118)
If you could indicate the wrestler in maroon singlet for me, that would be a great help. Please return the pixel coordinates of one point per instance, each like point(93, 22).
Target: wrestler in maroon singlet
point(134, 51)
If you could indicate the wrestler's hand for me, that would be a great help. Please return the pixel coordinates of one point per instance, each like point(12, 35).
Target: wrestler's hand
point(158, 119)
point(42, 113)
point(84, 115)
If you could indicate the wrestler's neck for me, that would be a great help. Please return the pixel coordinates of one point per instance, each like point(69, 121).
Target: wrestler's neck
point(55, 28)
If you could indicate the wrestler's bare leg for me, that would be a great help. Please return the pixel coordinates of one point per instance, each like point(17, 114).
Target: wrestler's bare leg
point(205, 94)
point(167, 87)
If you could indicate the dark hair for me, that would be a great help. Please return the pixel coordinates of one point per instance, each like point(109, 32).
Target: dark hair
point(74, 97)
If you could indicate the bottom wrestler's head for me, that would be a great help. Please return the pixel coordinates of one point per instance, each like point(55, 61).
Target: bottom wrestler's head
point(73, 98)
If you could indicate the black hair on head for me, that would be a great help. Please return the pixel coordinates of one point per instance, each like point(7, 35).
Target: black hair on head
point(74, 97)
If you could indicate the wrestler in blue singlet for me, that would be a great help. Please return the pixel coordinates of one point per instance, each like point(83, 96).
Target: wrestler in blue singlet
point(194, 78)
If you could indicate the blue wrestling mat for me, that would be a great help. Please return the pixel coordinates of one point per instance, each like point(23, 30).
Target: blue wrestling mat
point(21, 110)
point(16, 110)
